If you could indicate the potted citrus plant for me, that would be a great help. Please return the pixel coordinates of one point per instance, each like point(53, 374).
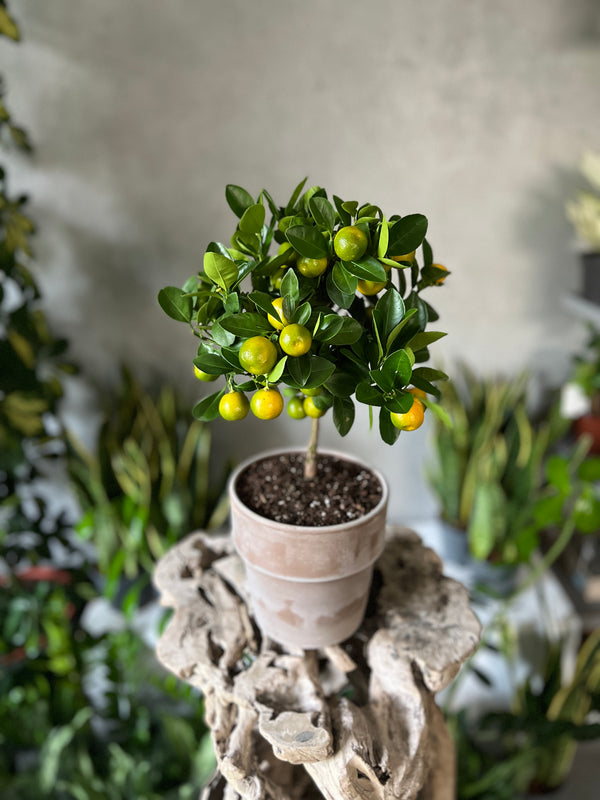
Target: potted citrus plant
point(332, 318)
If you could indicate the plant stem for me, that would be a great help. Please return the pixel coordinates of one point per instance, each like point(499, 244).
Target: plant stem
point(310, 464)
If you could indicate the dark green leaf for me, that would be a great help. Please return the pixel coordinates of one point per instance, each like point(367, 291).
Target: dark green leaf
point(208, 408)
point(590, 469)
point(323, 212)
point(175, 303)
point(388, 432)
point(367, 269)
point(385, 381)
point(399, 327)
point(430, 374)
point(343, 414)
point(295, 195)
point(238, 199)
point(427, 253)
point(264, 301)
point(330, 324)
point(308, 241)
point(253, 219)
point(388, 312)
point(341, 384)
point(231, 355)
point(231, 304)
point(290, 291)
point(246, 324)
point(345, 217)
point(369, 395)
point(421, 340)
point(344, 281)
point(299, 368)
point(397, 368)
point(348, 332)
point(351, 207)
point(211, 362)
point(340, 299)
point(407, 234)
point(400, 403)
point(321, 369)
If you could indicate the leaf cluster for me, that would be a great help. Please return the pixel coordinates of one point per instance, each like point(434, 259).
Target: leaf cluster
point(365, 348)
point(489, 464)
point(504, 755)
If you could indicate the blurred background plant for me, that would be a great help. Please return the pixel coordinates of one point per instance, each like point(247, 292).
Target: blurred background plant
point(146, 485)
point(488, 464)
point(85, 710)
point(530, 748)
point(584, 211)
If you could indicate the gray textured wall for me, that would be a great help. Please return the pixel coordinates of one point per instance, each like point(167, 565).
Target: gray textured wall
point(473, 112)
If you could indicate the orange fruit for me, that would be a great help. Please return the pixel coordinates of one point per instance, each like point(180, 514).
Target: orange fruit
point(412, 419)
point(266, 403)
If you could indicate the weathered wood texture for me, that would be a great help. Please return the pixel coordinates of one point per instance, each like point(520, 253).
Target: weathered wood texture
point(352, 721)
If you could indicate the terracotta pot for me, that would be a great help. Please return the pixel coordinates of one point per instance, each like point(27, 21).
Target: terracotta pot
point(589, 425)
point(308, 585)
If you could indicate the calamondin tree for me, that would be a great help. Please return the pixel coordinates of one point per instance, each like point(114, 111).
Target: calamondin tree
point(320, 302)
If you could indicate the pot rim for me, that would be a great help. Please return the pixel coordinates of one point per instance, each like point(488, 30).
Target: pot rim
point(284, 527)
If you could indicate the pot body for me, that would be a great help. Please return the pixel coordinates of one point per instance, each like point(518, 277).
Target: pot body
point(308, 585)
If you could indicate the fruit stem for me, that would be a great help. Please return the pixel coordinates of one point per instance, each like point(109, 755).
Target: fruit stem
point(310, 464)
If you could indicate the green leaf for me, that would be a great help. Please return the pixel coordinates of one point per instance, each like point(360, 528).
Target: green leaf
point(290, 291)
point(302, 314)
point(590, 469)
point(430, 374)
point(8, 27)
point(351, 207)
point(397, 368)
point(220, 335)
point(231, 303)
point(329, 325)
point(232, 357)
point(211, 362)
point(341, 384)
point(220, 270)
point(246, 324)
point(488, 519)
point(343, 414)
point(344, 281)
point(384, 237)
point(387, 431)
point(348, 332)
point(557, 473)
point(367, 269)
point(175, 303)
point(385, 381)
point(422, 340)
point(388, 312)
point(264, 301)
point(400, 403)
point(208, 408)
point(340, 299)
point(427, 253)
point(295, 195)
point(407, 234)
point(277, 371)
point(300, 369)
point(321, 369)
point(308, 241)
point(238, 199)
point(399, 327)
point(345, 217)
point(323, 212)
point(438, 411)
point(253, 219)
point(369, 395)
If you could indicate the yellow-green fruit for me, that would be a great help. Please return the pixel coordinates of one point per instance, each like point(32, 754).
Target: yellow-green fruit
point(204, 376)
point(310, 409)
point(295, 408)
point(370, 287)
point(311, 392)
point(286, 247)
point(312, 267)
point(234, 406)
point(413, 418)
point(266, 404)
point(280, 322)
point(258, 355)
point(406, 257)
point(443, 278)
point(295, 340)
point(350, 243)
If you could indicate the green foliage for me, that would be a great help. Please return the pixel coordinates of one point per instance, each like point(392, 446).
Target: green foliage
point(584, 211)
point(531, 747)
point(364, 348)
point(489, 465)
point(586, 369)
point(148, 483)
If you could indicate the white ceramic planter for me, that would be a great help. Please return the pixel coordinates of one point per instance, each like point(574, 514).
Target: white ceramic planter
point(308, 585)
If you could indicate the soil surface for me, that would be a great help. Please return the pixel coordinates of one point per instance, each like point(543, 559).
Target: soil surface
point(275, 487)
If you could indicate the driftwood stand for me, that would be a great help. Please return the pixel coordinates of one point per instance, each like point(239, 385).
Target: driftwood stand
point(357, 720)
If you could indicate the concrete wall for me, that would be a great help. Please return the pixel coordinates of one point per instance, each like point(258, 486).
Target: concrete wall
point(472, 112)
